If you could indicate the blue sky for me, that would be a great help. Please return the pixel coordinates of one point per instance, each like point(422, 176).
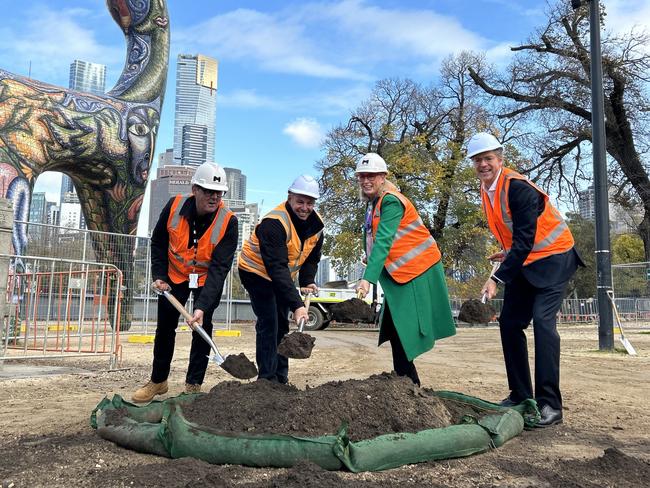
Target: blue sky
point(288, 70)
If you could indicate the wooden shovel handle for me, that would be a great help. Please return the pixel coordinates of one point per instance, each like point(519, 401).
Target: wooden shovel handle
point(177, 305)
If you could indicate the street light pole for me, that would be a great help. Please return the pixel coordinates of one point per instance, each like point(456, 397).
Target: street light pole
point(603, 255)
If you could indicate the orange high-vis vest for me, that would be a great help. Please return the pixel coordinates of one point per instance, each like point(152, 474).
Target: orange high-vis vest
point(184, 260)
point(250, 258)
point(413, 250)
point(552, 236)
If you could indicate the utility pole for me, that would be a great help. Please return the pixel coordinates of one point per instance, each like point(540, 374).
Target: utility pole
point(603, 255)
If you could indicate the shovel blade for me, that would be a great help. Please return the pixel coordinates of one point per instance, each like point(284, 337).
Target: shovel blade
point(628, 346)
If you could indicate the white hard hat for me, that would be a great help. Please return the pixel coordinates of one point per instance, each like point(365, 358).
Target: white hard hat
point(482, 142)
point(305, 185)
point(210, 176)
point(371, 163)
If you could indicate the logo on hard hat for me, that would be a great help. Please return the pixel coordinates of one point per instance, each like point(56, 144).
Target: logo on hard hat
point(365, 161)
point(216, 178)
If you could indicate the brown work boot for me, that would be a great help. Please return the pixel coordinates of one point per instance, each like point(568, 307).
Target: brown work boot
point(190, 388)
point(148, 391)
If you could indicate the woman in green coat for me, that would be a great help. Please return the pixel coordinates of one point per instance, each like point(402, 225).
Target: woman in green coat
point(404, 258)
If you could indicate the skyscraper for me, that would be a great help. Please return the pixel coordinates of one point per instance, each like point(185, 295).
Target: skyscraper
point(66, 186)
point(196, 109)
point(236, 184)
point(87, 77)
point(170, 181)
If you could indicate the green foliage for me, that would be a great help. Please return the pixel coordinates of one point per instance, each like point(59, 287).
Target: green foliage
point(583, 283)
point(627, 248)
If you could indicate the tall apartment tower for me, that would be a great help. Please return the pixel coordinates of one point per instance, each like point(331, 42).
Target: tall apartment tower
point(196, 109)
point(90, 78)
point(236, 184)
point(87, 77)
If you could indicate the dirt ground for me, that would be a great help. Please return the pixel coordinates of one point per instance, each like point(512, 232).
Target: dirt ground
point(46, 440)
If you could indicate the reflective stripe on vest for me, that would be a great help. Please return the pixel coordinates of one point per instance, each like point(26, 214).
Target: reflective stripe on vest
point(556, 241)
point(250, 258)
point(184, 260)
point(413, 250)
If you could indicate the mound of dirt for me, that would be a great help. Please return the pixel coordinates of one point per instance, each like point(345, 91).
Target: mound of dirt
point(240, 366)
point(296, 345)
point(474, 311)
point(381, 404)
point(353, 310)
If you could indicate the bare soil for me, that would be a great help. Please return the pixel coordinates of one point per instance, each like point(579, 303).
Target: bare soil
point(353, 310)
point(297, 345)
point(240, 366)
point(474, 311)
point(46, 440)
point(382, 404)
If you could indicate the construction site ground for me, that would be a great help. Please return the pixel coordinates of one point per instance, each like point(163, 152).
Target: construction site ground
point(46, 439)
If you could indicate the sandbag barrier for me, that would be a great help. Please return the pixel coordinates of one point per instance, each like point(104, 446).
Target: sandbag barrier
point(160, 428)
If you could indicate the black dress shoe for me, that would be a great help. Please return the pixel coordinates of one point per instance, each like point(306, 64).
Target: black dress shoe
point(549, 416)
point(507, 402)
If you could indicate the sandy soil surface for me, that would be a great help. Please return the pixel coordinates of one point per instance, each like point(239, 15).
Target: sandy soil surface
point(46, 440)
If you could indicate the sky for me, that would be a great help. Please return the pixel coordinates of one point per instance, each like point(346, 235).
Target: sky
point(289, 71)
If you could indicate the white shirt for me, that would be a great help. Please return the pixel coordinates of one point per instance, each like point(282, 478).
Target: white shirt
point(493, 188)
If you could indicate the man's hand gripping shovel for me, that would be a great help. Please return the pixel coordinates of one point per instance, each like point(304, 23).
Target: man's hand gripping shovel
point(238, 365)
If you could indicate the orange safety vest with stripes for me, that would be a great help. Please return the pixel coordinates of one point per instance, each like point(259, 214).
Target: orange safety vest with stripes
point(250, 258)
point(184, 260)
point(413, 250)
point(552, 236)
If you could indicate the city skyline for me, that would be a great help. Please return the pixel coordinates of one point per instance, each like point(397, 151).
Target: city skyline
point(289, 71)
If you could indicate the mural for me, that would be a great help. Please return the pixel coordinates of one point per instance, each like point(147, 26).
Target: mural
point(105, 143)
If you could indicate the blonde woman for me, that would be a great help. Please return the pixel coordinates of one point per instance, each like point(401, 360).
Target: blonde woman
point(404, 258)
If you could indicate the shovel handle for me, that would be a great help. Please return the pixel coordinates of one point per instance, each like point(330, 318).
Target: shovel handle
point(301, 325)
point(177, 305)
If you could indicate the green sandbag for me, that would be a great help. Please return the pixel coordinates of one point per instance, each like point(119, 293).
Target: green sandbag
point(160, 428)
point(393, 450)
point(183, 438)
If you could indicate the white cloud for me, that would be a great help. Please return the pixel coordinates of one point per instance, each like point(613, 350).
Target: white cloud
point(51, 39)
point(305, 132)
point(275, 41)
point(624, 15)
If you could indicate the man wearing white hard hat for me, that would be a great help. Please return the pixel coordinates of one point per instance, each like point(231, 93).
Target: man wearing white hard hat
point(286, 244)
point(537, 260)
point(192, 249)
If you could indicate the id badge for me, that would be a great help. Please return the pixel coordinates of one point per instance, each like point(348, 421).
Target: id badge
point(194, 280)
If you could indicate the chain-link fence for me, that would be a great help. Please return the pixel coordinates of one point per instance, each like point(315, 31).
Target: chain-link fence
point(631, 280)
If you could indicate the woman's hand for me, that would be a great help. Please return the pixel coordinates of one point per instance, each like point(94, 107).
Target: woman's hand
point(363, 288)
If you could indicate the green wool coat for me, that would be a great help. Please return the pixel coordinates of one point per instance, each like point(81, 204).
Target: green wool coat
point(420, 308)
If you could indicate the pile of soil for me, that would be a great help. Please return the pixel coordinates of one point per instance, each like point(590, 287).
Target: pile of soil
point(240, 366)
point(382, 404)
point(296, 345)
point(353, 310)
point(474, 311)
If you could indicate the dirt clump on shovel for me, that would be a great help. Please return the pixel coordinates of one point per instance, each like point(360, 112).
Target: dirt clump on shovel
point(381, 404)
point(353, 310)
point(296, 345)
point(239, 366)
point(474, 311)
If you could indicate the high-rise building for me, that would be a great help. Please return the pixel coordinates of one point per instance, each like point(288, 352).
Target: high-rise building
point(236, 184)
point(66, 186)
point(38, 209)
point(622, 220)
point(170, 181)
point(52, 212)
point(87, 77)
point(196, 109)
point(587, 204)
point(70, 214)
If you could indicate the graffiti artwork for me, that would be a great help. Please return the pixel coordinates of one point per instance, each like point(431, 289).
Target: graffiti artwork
point(104, 143)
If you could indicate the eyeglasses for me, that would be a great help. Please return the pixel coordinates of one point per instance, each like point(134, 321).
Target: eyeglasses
point(208, 192)
point(367, 176)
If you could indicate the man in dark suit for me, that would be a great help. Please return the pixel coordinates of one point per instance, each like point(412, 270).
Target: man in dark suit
point(537, 261)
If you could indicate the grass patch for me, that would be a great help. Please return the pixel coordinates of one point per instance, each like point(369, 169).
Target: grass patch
point(616, 350)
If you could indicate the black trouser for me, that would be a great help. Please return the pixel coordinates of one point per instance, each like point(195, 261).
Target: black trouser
point(522, 302)
point(401, 365)
point(271, 326)
point(163, 348)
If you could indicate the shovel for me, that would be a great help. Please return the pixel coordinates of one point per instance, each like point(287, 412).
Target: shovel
point(298, 345)
point(475, 311)
point(624, 340)
point(238, 365)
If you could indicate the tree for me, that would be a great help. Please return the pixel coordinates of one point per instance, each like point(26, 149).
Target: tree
point(420, 132)
point(548, 85)
point(582, 285)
